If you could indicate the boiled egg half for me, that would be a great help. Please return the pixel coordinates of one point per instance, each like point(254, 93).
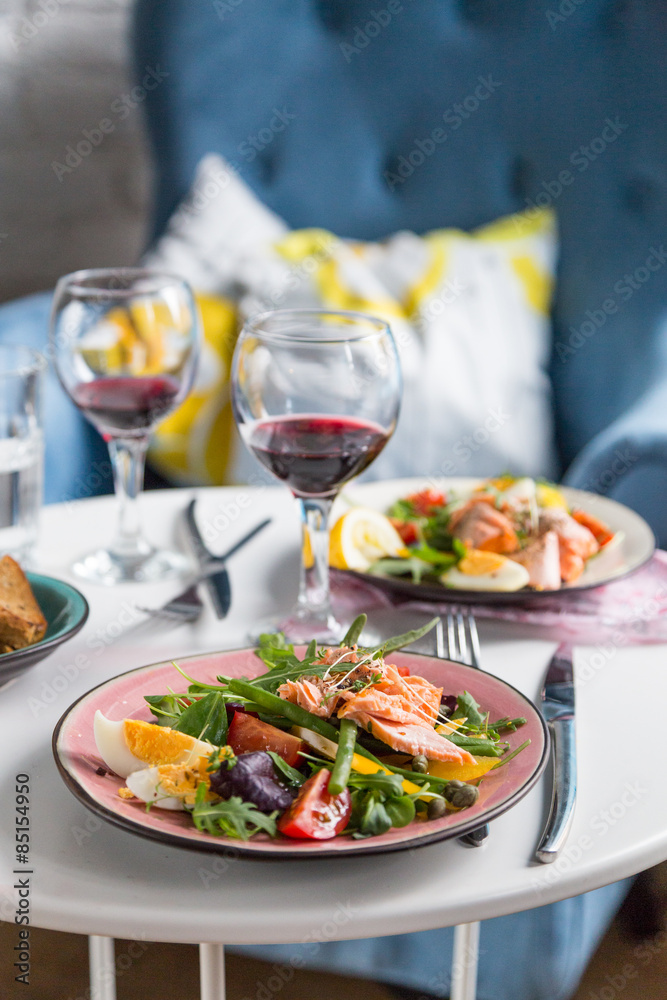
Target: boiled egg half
point(479, 570)
point(131, 745)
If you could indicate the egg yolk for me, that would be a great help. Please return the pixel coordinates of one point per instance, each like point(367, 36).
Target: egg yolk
point(478, 563)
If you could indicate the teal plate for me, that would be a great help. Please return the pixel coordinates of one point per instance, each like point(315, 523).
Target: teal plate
point(65, 609)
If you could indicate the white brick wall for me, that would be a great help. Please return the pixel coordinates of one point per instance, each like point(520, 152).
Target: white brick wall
point(63, 68)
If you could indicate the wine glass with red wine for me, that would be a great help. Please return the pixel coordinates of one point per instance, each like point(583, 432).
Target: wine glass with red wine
point(125, 344)
point(316, 396)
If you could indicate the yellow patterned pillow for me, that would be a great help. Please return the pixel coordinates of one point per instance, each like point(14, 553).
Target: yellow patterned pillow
point(193, 444)
point(469, 311)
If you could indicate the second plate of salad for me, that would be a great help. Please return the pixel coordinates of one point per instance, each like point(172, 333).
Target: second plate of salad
point(503, 539)
point(286, 752)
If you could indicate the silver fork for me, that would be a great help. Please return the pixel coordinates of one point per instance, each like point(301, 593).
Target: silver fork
point(460, 641)
point(186, 607)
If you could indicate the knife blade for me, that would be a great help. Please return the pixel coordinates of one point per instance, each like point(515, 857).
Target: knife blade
point(558, 709)
point(212, 567)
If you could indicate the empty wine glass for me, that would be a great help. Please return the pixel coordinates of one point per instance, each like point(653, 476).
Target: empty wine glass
point(125, 344)
point(316, 396)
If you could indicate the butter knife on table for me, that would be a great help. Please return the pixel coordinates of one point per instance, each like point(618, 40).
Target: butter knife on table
point(558, 710)
point(217, 582)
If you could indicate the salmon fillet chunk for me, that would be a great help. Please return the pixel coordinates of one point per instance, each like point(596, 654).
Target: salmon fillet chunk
point(480, 526)
point(413, 739)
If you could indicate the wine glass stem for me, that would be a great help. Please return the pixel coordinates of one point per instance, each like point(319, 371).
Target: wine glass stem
point(314, 596)
point(128, 457)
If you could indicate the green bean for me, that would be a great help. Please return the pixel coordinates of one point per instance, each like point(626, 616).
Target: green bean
point(479, 748)
point(273, 703)
point(354, 631)
point(343, 763)
point(398, 641)
point(301, 717)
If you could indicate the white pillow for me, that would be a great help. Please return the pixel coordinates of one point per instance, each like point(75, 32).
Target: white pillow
point(469, 313)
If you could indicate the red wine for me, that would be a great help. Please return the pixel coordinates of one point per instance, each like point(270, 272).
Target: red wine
point(127, 404)
point(313, 454)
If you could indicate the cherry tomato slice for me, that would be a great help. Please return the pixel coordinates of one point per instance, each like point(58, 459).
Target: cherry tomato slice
point(314, 814)
point(406, 529)
point(248, 733)
point(404, 671)
point(427, 501)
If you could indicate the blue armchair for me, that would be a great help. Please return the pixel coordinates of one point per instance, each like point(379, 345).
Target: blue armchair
point(319, 104)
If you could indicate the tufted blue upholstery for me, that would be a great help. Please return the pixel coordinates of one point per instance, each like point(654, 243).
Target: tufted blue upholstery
point(328, 109)
point(570, 86)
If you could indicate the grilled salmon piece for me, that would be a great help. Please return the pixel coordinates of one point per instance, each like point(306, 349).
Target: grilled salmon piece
point(309, 695)
point(600, 531)
point(480, 526)
point(542, 560)
point(379, 705)
point(576, 543)
point(413, 739)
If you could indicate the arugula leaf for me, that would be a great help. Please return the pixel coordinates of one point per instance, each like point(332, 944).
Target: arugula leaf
point(231, 818)
point(436, 529)
point(404, 510)
point(467, 706)
point(283, 663)
point(411, 565)
point(205, 719)
point(273, 648)
point(386, 784)
point(510, 756)
point(506, 725)
point(292, 777)
point(459, 549)
point(165, 707)
point(441, 560)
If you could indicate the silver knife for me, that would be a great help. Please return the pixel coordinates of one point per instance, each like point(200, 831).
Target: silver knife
point(558, 710)
point(217, 582)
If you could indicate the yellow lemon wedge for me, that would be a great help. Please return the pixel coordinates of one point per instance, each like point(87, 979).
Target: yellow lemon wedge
point(361, 536)
point(549, 496)
point(461, 772)
point(361, 764)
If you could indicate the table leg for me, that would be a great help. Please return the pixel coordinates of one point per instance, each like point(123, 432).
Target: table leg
point(212, 971)
point(102, 962)
point(464, 961)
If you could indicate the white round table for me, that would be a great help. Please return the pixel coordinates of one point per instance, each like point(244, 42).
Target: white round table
point(90, 878)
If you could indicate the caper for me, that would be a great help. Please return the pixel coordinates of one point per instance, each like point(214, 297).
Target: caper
point(461, 795)
point(420, 763)
point(437, 807)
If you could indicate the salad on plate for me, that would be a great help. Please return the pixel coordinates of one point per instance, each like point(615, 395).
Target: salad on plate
point(503, 534)
point(333, 742)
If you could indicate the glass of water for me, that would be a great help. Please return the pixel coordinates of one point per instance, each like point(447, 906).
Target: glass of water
point(21, 450)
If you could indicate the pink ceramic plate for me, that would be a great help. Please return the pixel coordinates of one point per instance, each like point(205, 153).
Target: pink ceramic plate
point(78, 761)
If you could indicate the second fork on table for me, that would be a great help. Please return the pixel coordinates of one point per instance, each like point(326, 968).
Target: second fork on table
point(457, 639)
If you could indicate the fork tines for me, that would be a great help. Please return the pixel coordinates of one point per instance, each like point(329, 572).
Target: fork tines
point(457, 639)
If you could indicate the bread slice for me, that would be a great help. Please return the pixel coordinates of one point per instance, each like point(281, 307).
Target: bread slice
point(21, 620)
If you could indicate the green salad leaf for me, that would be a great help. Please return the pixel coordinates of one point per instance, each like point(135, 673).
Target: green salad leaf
point(231, 818)
point(165, 707)
point(467, 706)
point(378, 803)
point(404, 510)
point(408, 566)
point(205, 719)
point(291, 776)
